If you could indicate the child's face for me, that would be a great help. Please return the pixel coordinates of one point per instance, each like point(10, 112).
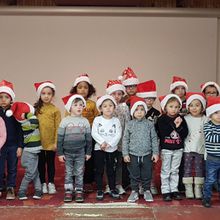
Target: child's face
point(46, 95)
point(5, 100)
point(172, 108)
point(83, 89)
point(195, 108)
point(180, 91)
point(139, 112)
point(215, 118)
point(77, 108)
point(149, 101)
point(107, 108)
point(117, 96)
point(131, 90)
point(210, 91)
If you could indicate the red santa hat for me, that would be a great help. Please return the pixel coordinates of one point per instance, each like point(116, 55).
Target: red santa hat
point(135, 102)
point(7, 87)
point(114, 85)
point(128, 77)
point(190, 96)
point(101, 99)
point(178, 81)
point(213, 105)
point(18, 109)
point(147, 89)
point(41, 85)
point(210, 83)
point(165, 99)
point(82, 78)
point(68, 100)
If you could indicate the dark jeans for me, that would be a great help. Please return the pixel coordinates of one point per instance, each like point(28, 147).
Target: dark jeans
point(8, 154)
point(46, 158)
point(109, 160)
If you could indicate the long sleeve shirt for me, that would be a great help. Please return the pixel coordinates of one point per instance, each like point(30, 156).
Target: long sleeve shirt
point(2, 132)
point(140, 138)
point(106, 130)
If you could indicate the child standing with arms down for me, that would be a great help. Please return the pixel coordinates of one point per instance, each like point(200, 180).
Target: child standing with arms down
point(12, 148)
point(172, 130)
point(212, 145)
point(106, 131)
point(74, 146)
point(49, 118)
point(140, 148)
point(194, 146)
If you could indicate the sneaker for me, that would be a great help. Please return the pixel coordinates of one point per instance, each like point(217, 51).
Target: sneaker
point(51, 188)
point(37, 195)
point(148, 196)
point(167, 197)
point(22, 196)
point(206, 203)
point(176, 196)
point(10, 193)
point(133, 196)
point(107, 189)
point(100, 195)
point(120, 189)
point(68, 196)
point(79, 196)
point(141, 190)
point(154, 190)
point(114, 194)
point(44, 188)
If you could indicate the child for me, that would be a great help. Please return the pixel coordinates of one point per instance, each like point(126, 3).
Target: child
point(12, 148)
point(117, 91)
point(24, 113)
point(74, 145)
point(212, 145)
point(147, 91)
point(172, 130)
point(210, 89)
point(83, 86)
point(140, 148)
point(49, 118)
point(106, 131)
point(194, 145)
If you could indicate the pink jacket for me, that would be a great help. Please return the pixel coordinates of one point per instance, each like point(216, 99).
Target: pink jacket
point(2, 132)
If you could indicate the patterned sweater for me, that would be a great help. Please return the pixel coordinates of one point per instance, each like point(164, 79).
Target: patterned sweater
point(2, 132)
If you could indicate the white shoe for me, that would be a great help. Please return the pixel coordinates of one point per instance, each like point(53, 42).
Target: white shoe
point(51, 188)
point(154, 190)
point(148, 196)
point(107, 189)
point(44, 188)
point(133, 196)
point(120, 189)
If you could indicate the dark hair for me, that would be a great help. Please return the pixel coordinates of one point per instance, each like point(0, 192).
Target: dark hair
point(212, 86)
point(172, 99)
point(77, 100)
point(92, 90)
point(39, 104)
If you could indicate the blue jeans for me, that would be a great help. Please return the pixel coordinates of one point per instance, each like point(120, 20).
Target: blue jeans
point(8, 154)
point(212, 169)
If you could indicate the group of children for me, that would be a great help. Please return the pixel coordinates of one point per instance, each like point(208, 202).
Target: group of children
point(121, 134)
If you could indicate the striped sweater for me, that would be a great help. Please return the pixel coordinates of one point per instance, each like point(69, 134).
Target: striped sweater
point(212, 139)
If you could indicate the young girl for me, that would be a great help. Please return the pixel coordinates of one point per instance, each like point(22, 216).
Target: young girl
point(194, 146)
point(83, 86)
point(12, 148)
point(49, 118)
point(106, 131)
point(117, 91)
point(172, 130)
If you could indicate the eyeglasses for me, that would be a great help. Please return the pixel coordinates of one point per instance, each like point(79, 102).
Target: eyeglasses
point(211, 93)
point(131, 86)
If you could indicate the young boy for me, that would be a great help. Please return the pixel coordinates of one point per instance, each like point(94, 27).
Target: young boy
point(74, 145)
point(140, 148)
point(210, 89)
point(212, 145)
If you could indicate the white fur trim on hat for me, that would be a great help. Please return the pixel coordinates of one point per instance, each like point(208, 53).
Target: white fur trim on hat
point(210, 84)
point(115, 88)
point(178, 83)
point(212, 109)
point(193, 97)
point(147, 94)
point(71, 99)
point(81, 79)
point(43, 85)
point(8, 90)
point(130, 81)
point(102, 99)
point(167, 97)
point(136, 104)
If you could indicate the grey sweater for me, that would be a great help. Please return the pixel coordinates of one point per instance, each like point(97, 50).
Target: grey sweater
point(140, 138)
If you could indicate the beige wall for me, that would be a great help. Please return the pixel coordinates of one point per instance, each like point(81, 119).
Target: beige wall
point(58, 48)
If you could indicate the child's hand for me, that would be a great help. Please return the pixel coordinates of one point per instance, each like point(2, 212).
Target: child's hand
point(88, 157)
point(178, 121)
point(155, 158)
point(127, 159)
point(103, 146)
point(19, 152)
point(61, 158)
